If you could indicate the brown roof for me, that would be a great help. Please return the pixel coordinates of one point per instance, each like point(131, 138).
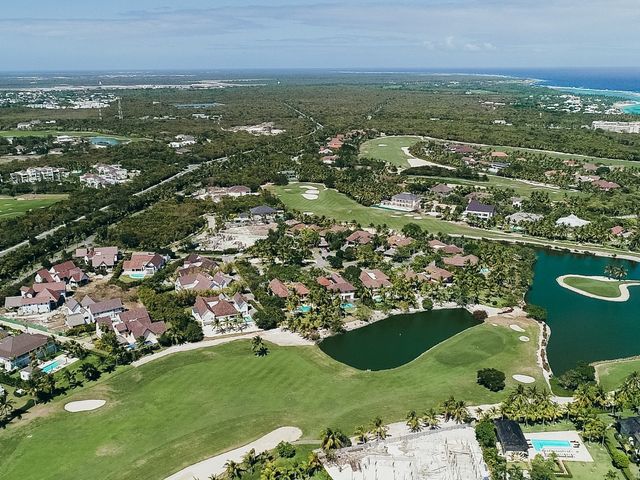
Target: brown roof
point(140, 260)
point(18, 345)
point(374, 278)
point(461, 261)
point(399, 241)
point(360, 236)
point(278, 288)
point(437, 273)
point(300, 289)
point(452, 249)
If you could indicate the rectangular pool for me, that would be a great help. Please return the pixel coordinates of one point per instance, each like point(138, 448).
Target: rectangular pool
point(540, 444)
point(50, 367)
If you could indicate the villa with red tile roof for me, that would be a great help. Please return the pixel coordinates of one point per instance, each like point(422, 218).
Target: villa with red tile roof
point(211, 310)
point(98, 257)
point(359, 237)
point(66, 272)
point(131, 326)
point(461, 261)
point(147, 263)
point(336, 284)
point(374, 279)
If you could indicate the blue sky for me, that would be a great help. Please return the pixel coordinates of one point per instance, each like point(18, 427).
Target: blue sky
point(160, 34)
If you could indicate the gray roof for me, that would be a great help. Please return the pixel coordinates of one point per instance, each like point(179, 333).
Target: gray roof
point(510, 436)
point(15, 346)
point(263, 210)
point(475, 206)
point(409, 197)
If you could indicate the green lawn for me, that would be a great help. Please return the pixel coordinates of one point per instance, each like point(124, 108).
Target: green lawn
point(612, 374)
point(608, 289)
point(334, 204)
point(183, 408)
point(15, 206)
point(388, 149)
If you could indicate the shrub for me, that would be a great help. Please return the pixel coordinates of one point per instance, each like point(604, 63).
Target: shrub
point(491, 378)
point(268, 318)
point(486, 433)
point(536, 312)
point(582, 373)
point(480, 315)
point(285, 450)
point(619, 459)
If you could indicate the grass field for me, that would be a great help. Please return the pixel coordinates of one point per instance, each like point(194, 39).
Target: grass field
point(389, 149)
point(393, 154)
point(46, 133)
point(608, 289)
point(612, 374)
point(15, 206)
point(334, 204)
point(183, 408)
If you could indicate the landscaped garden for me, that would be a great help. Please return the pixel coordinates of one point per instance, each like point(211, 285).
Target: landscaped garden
point(193, 405)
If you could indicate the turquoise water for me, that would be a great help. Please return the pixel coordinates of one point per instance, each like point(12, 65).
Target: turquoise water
point(396, 340)
point(50, 367)
point(539, 445)
point(582, 328)
point(347, 306)
point(304, 308)
point(137, 276)
point(624, 95)
point(108, 141)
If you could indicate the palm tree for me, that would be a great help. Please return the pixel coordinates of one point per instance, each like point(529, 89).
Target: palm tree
point(430, 419)
point(313, 464)
point(6, 407)
point(413, 421)
point(250, 460)
point(378, 429)
point(258, 347)
point(362, 434)
point(233, 470)
point(332, 439)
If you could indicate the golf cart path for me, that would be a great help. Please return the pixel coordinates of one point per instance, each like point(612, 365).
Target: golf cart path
point(215, 465)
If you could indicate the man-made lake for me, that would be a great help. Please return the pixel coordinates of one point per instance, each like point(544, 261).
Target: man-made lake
point(583, 328)
point(396, 340)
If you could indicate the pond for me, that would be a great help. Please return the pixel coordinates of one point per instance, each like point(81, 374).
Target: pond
point(583, 328)
point(396, 340)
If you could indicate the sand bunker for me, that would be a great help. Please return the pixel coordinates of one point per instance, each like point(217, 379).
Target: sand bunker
point(309, 187)
point(516, 328)
point(310, 196)
point(382, 144)
point(624, 288)
point(84, 405)
point(524, 338)
point(524, 378)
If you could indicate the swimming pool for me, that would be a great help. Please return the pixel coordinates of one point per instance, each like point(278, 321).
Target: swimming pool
point(50, 367)
point(137, 276)
point(539, 444)
point(304, 308)
point(347, 306)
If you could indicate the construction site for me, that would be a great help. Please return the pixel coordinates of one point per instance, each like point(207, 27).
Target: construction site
point(447, 453)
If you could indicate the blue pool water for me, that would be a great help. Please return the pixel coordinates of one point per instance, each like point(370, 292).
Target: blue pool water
point(347, 306)
point(137, 276)
point(50, 367)
point(105, 141)
point(539, 445)
point(304, 308)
